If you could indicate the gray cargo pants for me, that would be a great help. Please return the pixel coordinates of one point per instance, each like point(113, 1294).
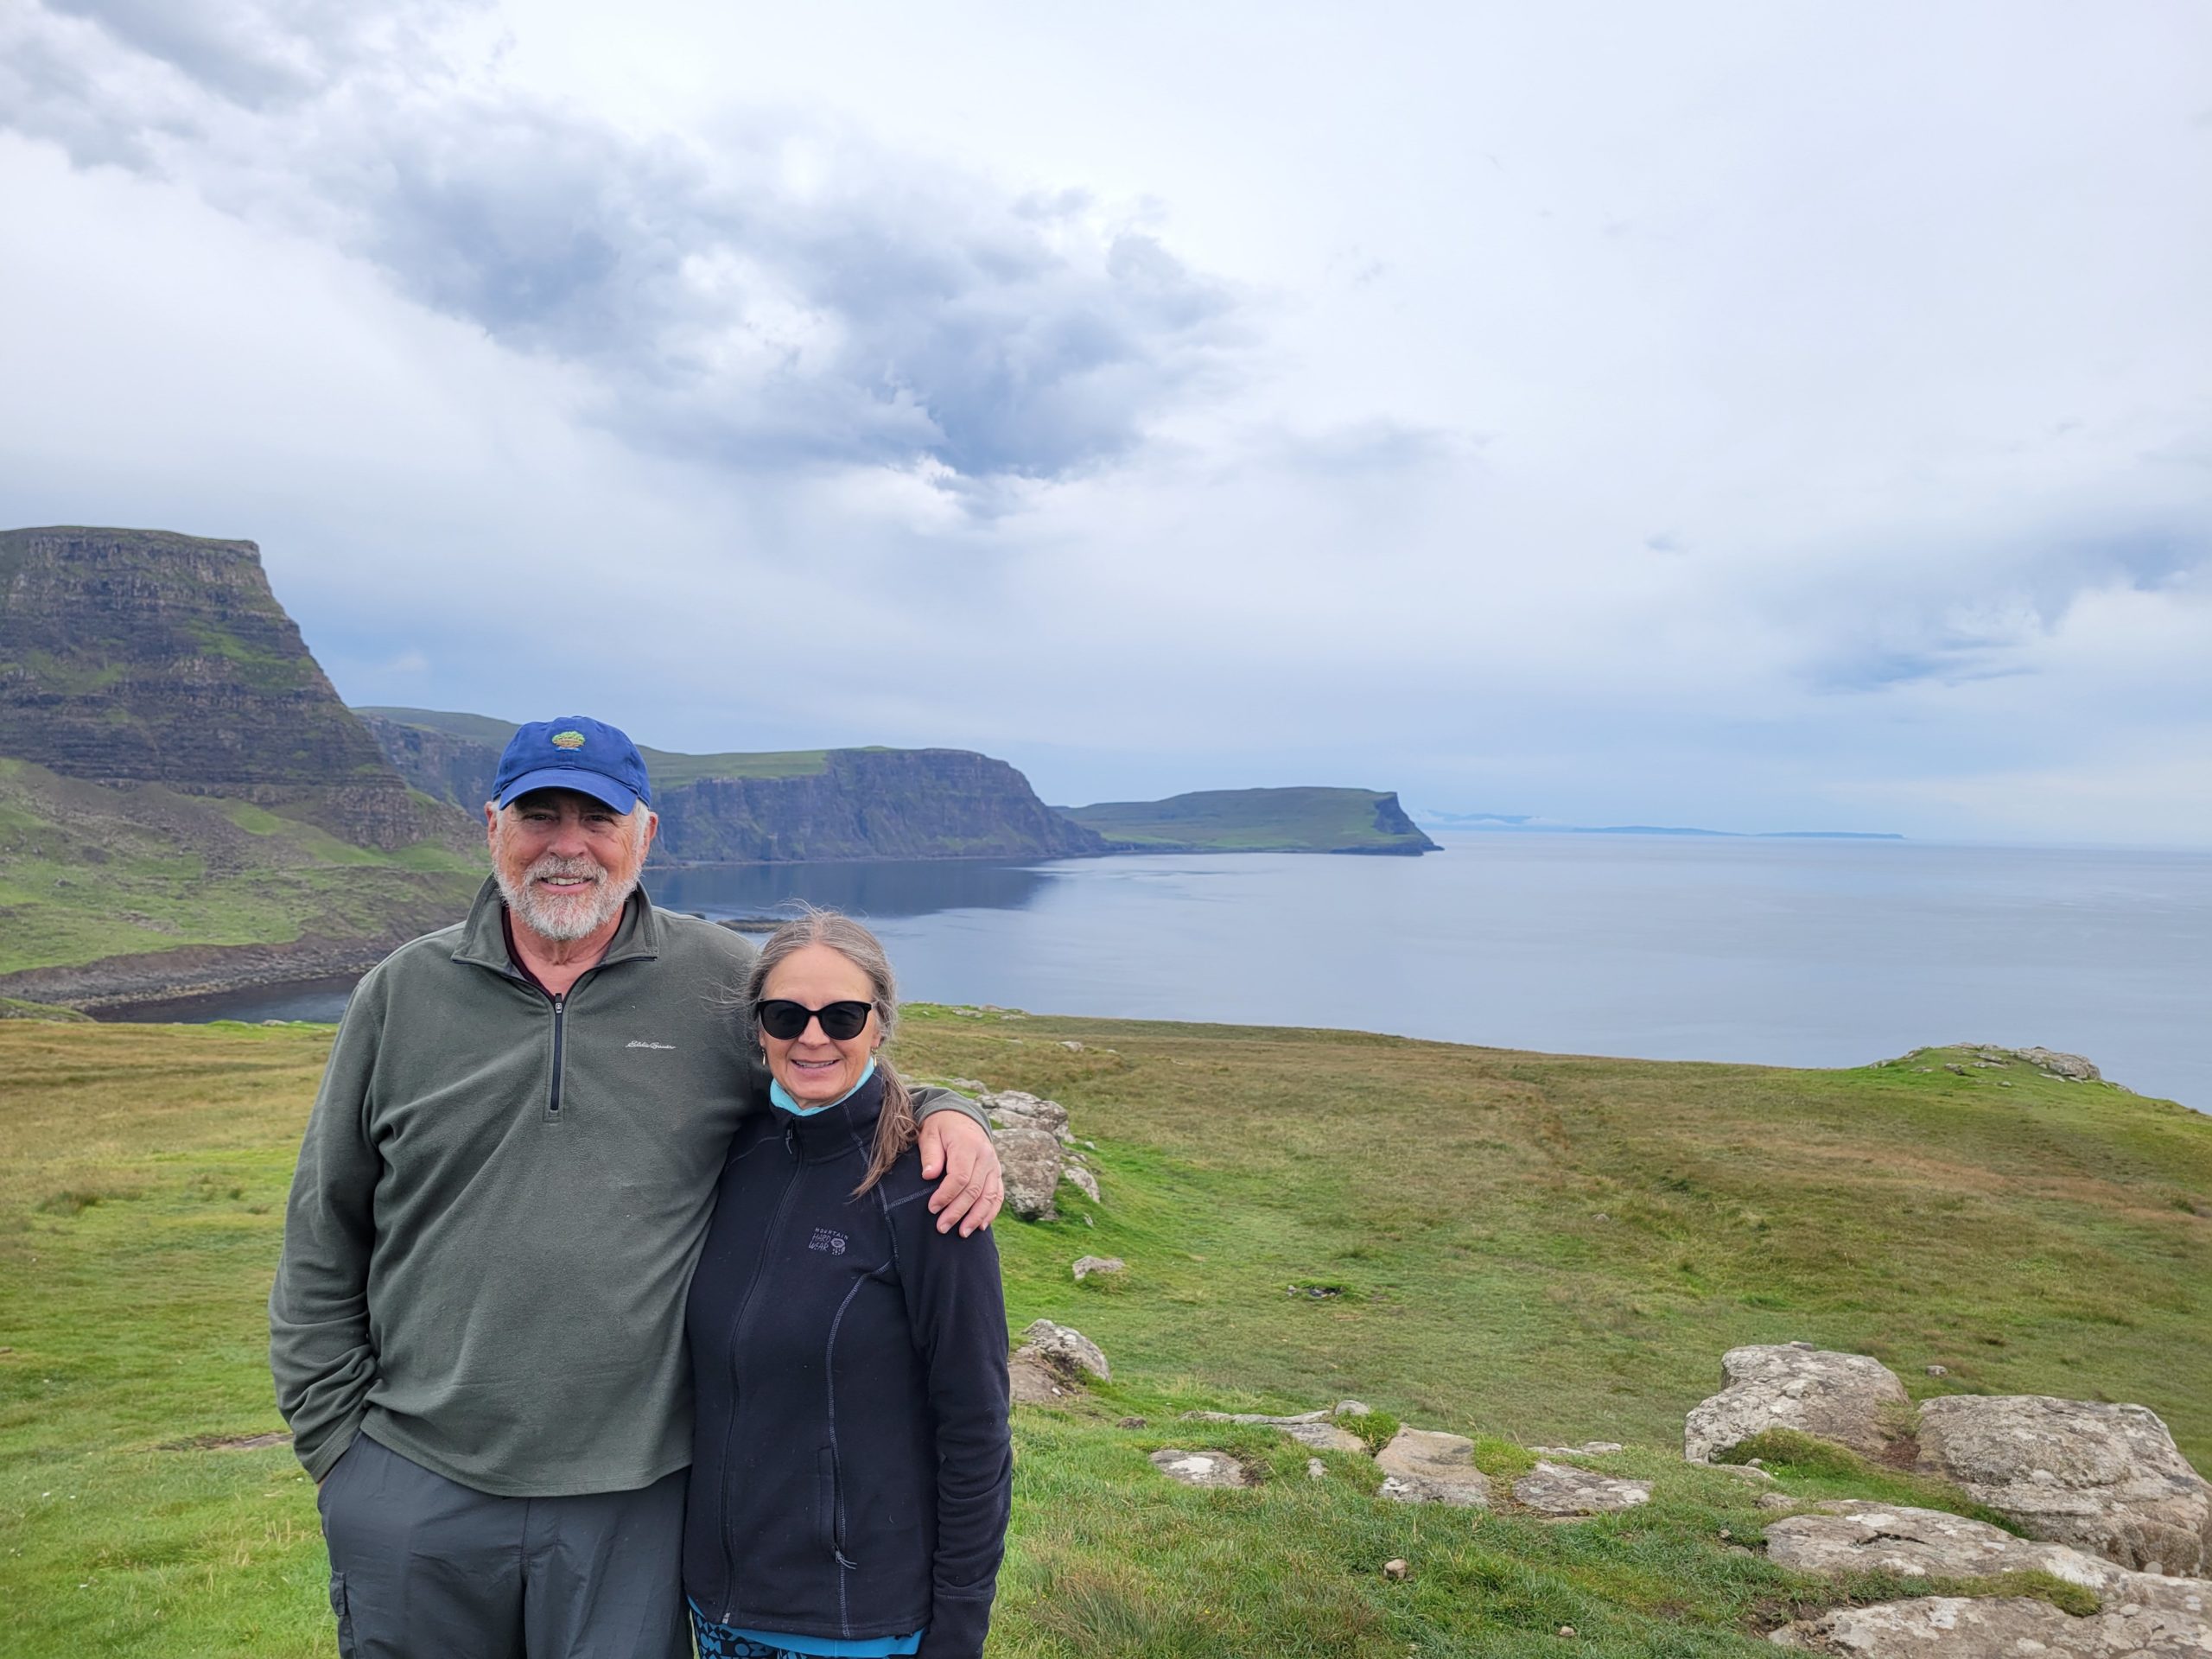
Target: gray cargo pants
point(423, 1567)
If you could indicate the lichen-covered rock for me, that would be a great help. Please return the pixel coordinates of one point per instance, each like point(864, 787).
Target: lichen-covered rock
point(2073, 1067)
point(1031, 1161)
point(1082, 1179)
point(1200, 1468)
point(1955, 1627)
point(1840, 1397)
point(1050, 1363)
point(1087, 1265)
point(1311, 1429)
point(1561, 1489)
point(1424, 1465)
point(2105, 1478)
point(1857, 1535)
point(1017, 1108)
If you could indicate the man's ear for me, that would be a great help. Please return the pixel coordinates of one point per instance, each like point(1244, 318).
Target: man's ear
point(652, 829)
point(491, 825)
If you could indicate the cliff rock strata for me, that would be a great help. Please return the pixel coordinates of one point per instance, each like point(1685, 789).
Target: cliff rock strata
point(130, 656)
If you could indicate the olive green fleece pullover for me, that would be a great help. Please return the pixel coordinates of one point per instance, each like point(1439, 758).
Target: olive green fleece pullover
point(499, 1203)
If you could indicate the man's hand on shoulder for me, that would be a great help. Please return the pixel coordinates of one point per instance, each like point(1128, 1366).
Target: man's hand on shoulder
point(956, 1146)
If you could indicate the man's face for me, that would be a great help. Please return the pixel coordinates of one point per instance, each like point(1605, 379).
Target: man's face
point(565, 862)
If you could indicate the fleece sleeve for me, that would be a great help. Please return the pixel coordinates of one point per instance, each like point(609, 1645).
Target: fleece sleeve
point(930, 1098)
point(319, 1347)
point(959, 1315)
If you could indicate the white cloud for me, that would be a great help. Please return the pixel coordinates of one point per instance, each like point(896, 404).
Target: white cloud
point(1747, 415)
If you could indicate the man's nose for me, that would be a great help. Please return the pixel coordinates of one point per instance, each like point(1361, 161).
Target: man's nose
point(569, 840)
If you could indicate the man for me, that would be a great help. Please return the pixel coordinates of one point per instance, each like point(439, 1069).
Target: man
point(476, 1328)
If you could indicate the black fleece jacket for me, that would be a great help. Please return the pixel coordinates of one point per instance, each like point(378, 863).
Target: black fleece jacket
point(851, 1467)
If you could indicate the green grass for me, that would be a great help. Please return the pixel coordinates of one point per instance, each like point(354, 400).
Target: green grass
point(1305, 820)
point(1528, 1250)
point(88, 872)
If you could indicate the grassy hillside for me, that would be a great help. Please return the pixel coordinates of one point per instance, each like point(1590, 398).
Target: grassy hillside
point(89, 872)
point(1521, 1246)
point(1304, 820)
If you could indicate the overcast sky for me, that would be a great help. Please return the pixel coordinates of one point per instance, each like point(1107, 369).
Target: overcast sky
point(1766, 416)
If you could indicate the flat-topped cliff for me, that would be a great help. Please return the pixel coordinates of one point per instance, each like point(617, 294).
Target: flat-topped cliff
point(775, 807)
point(1295, 820)
point(143, 656)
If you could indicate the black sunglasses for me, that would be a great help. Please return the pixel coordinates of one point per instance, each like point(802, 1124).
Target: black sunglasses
point(784, 1020)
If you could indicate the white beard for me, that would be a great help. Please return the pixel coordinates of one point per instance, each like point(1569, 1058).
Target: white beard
point(565, 916)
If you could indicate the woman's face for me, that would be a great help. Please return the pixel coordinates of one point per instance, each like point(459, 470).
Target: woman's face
point(814, 1068)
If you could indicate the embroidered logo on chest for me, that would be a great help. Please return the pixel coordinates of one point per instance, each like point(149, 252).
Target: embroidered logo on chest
point(825, 1240)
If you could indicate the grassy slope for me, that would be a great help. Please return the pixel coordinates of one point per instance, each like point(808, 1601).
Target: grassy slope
point(1527, 1248)
point(88, 872)
point(1244, 821)
point(666, 768)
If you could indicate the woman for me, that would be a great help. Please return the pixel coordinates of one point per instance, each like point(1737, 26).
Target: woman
point(851, 1468)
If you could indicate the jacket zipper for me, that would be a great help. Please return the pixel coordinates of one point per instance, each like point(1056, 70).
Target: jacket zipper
point(560, 1019)
point(736, 1353)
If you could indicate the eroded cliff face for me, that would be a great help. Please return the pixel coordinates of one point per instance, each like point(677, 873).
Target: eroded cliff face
point(131, 656)
point(862, 804)
point(449, 768)
point(870, 803)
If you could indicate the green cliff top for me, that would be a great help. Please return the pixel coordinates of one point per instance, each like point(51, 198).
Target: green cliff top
point(667, 767)
point(1297, 820)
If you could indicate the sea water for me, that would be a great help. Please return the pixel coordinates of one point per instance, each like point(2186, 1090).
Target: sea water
point(1787, 952)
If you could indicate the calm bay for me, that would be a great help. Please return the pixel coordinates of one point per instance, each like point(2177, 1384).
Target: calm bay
point(1789, 952)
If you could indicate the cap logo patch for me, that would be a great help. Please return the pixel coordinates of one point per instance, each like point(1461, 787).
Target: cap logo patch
point(568, 740)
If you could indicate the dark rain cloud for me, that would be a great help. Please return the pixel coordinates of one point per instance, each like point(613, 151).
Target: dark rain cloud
point(891, 313)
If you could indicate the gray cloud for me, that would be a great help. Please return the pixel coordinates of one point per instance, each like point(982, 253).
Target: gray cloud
point(889, 314)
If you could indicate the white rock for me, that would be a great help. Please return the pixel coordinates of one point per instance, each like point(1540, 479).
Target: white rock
point(1840, 1397)
point(2105, 1478)
point(1428, 1466)
point(1560, 1488)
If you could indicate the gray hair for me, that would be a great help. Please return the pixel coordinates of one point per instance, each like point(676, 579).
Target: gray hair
point(896, 1127)
point(814, 925)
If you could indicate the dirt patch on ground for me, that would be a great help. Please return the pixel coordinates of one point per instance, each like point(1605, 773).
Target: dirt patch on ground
point(227, 1442)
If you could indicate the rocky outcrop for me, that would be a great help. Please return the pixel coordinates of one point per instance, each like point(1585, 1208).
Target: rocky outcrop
point(1031, 1161)
point(1859, 1536)
point(2105, 1478)
point(1556, 1488)
point(1846, 1398)
point(1955, 1627)
point(1087, 1265)
point(1052, 1363)
point(1017, 1108)
point(1424, 1465)
point(138, 656)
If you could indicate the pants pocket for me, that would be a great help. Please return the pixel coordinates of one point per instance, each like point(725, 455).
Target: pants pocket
point(344, 1615)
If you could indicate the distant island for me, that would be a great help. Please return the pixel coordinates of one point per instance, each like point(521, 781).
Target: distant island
point(1298, 820)
point(1529, 824)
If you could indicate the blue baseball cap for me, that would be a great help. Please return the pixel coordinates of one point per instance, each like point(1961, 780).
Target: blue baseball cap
point(574, 753)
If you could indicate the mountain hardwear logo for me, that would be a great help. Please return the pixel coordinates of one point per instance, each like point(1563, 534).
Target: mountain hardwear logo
point(824, 1239)
point(568, 740)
